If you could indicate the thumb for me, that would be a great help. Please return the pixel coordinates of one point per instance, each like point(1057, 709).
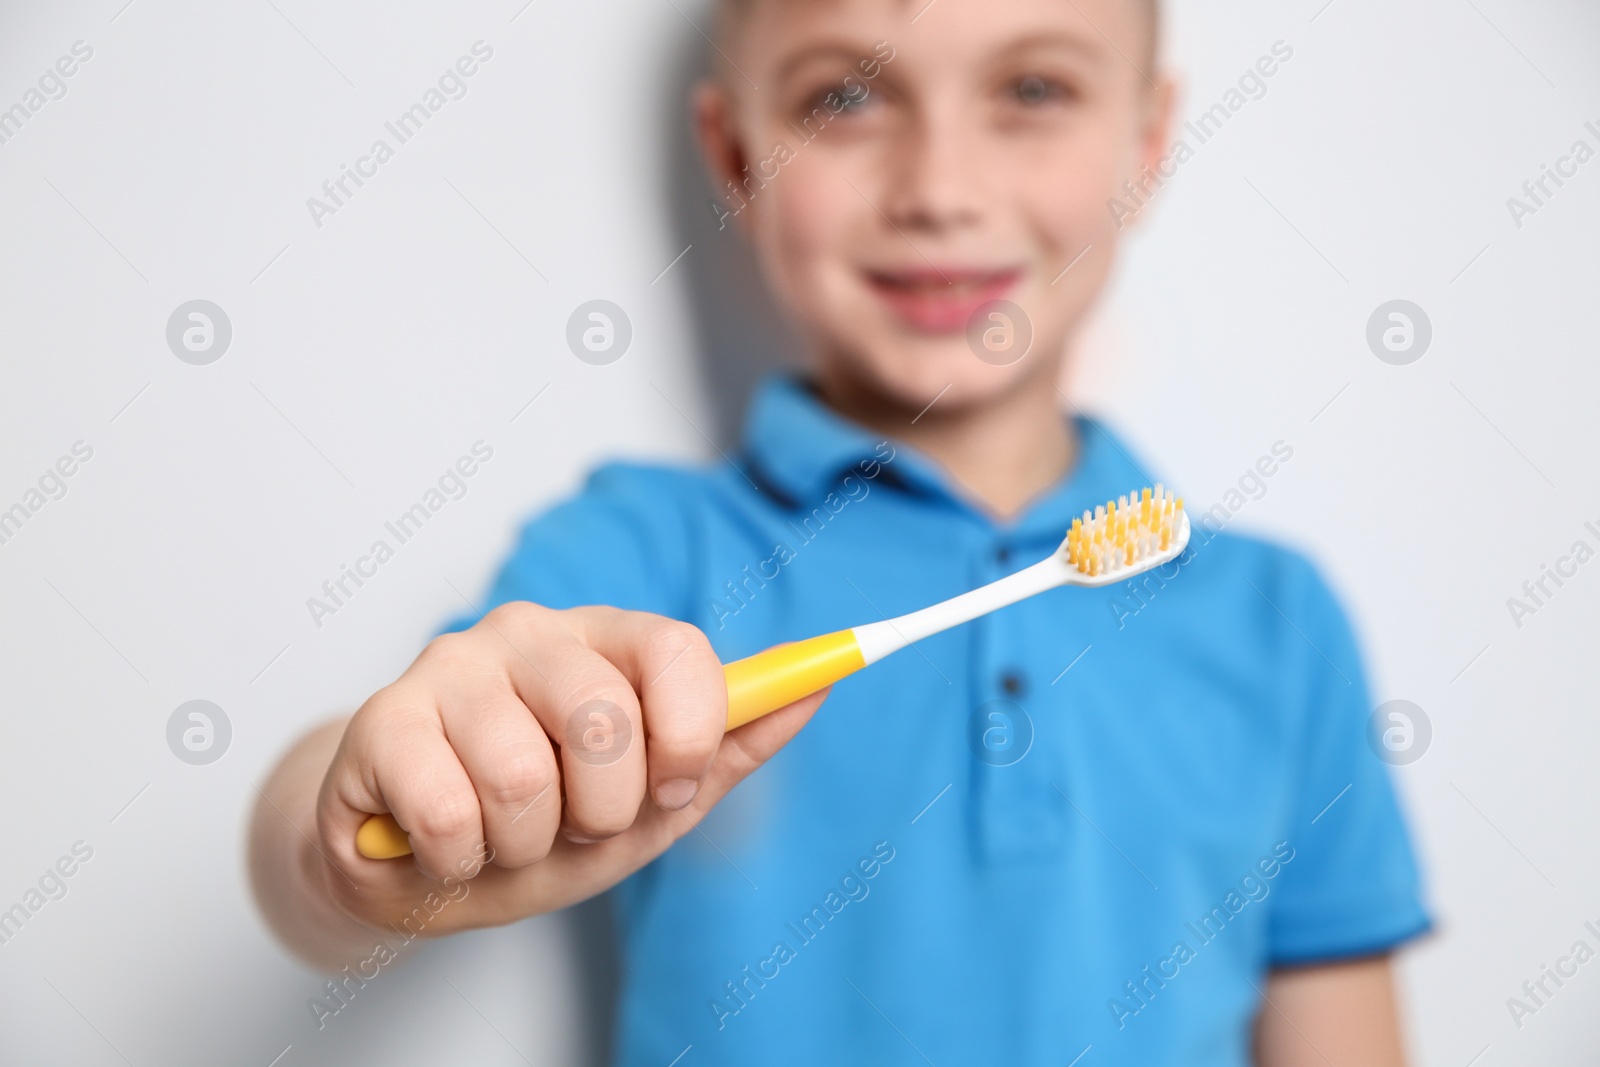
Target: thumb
point(761, 738)
point(749, 746)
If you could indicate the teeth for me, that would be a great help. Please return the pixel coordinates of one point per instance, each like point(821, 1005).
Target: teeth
point(1123, 531)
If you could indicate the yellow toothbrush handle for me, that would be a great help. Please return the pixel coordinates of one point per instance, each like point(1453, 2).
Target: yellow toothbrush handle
point(757, 685)
point(779, 676)
point(381, 838)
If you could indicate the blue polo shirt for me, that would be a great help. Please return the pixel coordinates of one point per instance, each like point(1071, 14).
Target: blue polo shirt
point(1089, 821)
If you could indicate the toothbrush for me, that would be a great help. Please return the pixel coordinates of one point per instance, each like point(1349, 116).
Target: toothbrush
point(1118, 540)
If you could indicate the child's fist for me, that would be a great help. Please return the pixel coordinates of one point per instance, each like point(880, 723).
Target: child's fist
point(568, 748)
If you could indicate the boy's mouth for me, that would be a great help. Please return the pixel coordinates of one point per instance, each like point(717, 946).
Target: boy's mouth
point(939, 300)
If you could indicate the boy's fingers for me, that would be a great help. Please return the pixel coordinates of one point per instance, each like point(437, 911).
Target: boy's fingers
point(586, 707)
point(601, 735)
point(512, 767)
point(422, 782)
point(590, 713)
point(680, 684)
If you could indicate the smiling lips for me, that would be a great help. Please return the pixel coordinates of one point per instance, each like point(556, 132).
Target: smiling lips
point(939, 300)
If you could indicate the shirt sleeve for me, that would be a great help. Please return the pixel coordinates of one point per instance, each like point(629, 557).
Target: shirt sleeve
point(623, 540)
point(1352, 887)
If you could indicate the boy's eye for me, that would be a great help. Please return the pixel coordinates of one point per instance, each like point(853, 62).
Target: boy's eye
point(840, 98)
point(850, 99)
point(1033, 91)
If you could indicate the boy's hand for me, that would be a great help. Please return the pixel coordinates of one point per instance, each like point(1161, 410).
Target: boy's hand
point(568, 748)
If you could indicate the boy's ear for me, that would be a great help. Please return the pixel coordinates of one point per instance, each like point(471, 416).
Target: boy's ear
point(1155, 136)
point(718, 134)
point(1158, 121)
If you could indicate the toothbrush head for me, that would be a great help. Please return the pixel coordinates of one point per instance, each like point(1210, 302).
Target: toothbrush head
point(1125, 537)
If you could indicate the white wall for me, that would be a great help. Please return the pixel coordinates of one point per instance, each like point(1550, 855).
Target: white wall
point(369, 353)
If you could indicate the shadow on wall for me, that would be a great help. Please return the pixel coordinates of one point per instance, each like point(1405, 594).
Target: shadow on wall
point(741, 337)
point(740, 333)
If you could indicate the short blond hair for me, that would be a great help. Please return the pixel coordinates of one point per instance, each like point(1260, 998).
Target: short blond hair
point(727, 15)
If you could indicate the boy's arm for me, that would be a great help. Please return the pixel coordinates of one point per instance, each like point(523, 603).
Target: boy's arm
point(1331, 1015)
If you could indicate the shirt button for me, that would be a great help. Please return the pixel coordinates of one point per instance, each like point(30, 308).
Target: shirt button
point(1013, 684)
point(1002, 555)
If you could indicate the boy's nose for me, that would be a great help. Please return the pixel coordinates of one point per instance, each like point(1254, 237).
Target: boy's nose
point(936, 179)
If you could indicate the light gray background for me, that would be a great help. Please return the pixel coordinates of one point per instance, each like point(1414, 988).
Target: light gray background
point(370, 353)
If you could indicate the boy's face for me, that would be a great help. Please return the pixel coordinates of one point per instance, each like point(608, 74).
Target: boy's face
point(901, 174)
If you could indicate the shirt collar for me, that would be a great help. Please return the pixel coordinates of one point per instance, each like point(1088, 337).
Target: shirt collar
point(800, 448)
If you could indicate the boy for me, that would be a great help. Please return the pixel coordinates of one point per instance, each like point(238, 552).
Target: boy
point(1055, 832)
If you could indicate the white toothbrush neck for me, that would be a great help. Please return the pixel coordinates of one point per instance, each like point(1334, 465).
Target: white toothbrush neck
point(878, 639)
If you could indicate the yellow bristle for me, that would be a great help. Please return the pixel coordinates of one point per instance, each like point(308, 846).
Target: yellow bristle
point(1125, 531)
